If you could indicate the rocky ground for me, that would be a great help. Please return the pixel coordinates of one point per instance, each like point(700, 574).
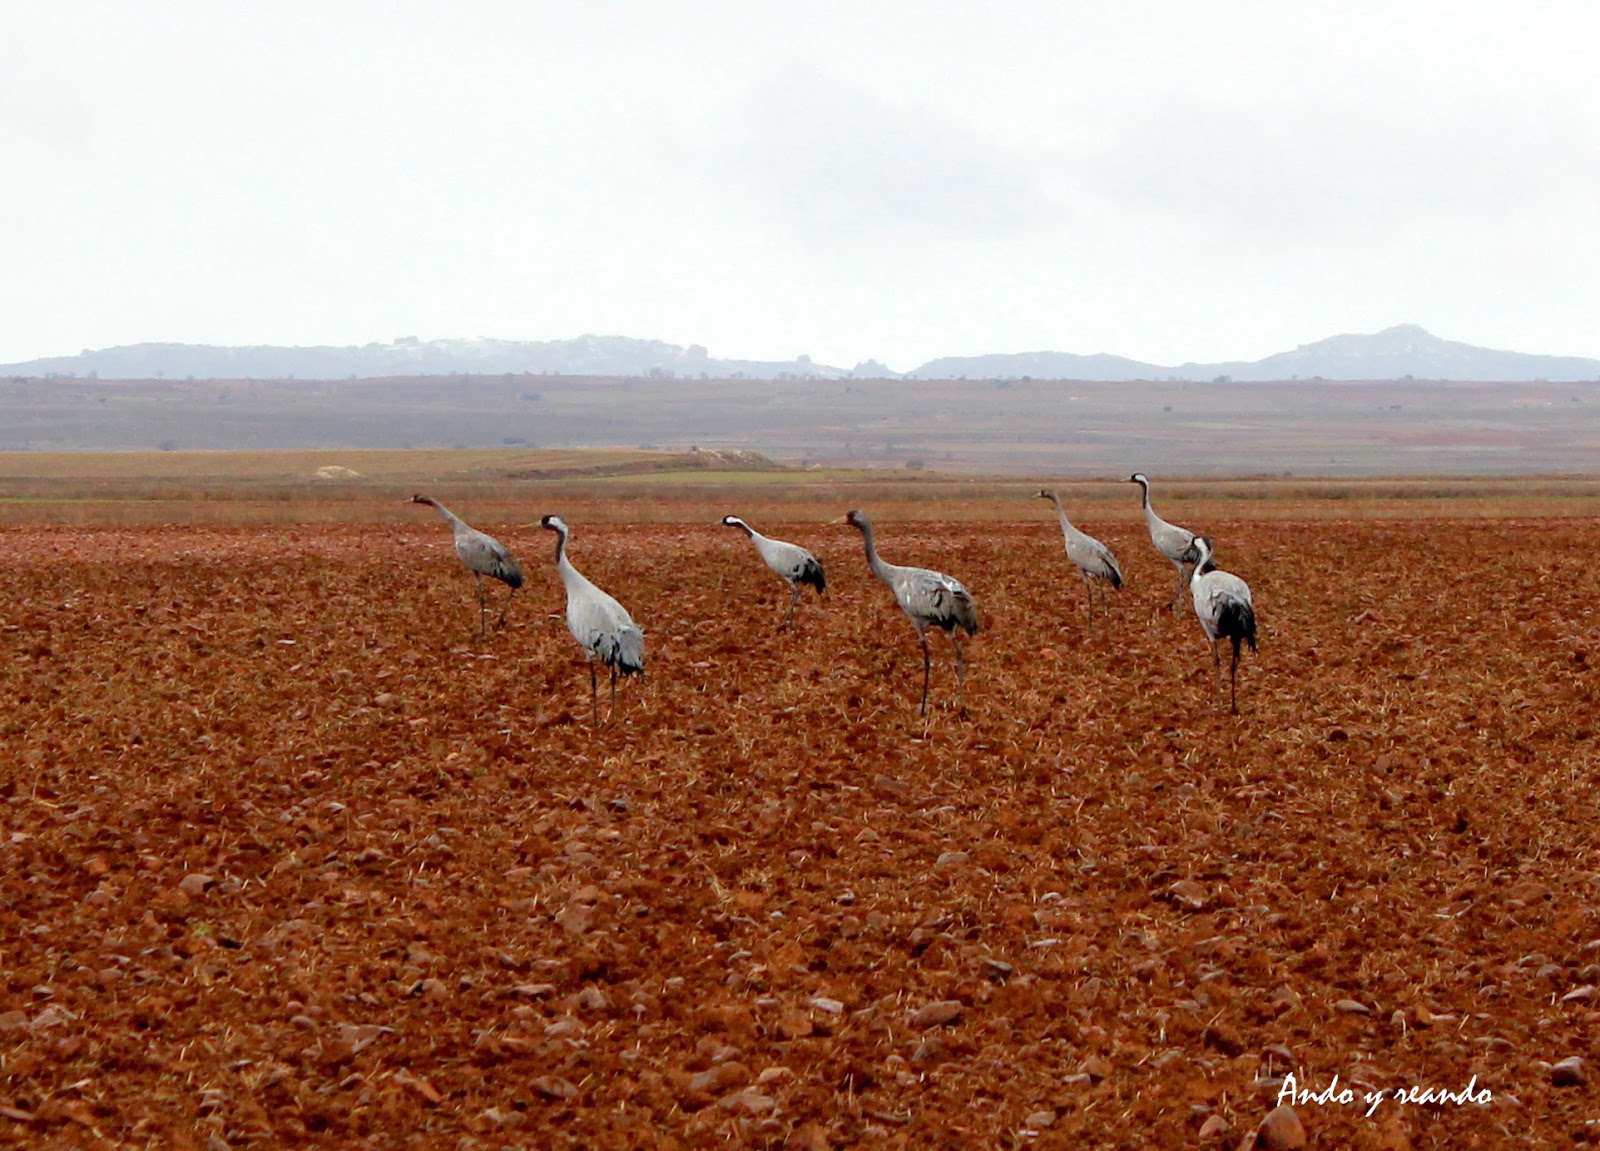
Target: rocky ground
point(288, 857)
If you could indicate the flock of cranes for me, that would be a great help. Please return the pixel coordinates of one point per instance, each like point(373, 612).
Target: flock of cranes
point(930, 599)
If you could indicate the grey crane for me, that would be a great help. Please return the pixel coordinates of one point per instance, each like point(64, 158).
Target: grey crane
point(1222, 601)
point(484, 556)
point(1171, 541)
point(1093, 559)
point(793, 564)
point(929, 599)
point(601, 625)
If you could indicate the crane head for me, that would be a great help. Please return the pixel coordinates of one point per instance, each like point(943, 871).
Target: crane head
point(856, 519)
point(1045, 494)
point(1138, 478)
point(419, 500)
point(553, 523)
point(731, 521)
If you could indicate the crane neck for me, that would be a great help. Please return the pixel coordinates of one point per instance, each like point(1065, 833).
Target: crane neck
point(571, 578)
point(1144, 487)
point(1061, 514)
point(879, 568)
point(449, 516)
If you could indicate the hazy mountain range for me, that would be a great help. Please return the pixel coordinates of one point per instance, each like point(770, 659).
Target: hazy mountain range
point(1402, 352)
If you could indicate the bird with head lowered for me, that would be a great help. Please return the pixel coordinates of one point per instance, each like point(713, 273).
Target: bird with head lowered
point(792, 563)
point(483, 555)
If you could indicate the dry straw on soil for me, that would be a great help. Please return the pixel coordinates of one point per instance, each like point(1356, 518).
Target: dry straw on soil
point(289, 859)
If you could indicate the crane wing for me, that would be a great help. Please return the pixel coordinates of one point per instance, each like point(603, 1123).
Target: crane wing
point(622, 649)
point(1105, 564)
point(938, 599)
point(1093, 557)
point(605, 629)
point(488, 556)
point(1213, 593)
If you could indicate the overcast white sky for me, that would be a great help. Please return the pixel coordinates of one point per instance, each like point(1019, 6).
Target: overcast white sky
point(1163, 180)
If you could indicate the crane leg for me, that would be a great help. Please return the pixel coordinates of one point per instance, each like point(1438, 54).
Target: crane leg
point(927, 671)
point(501, 622)
point(613, 693)
point(594, 694)
point(1233, 679)
point(483, 606)
point(1088, 590)
point(1177, 595)
point(794, 598)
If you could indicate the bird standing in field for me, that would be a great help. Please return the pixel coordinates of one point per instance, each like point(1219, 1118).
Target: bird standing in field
point(1171, 541)
point(1222, 601)
point(794, 565)
point(484, 556)
point(1093, 559)
point(600, 624)
point(929, 599)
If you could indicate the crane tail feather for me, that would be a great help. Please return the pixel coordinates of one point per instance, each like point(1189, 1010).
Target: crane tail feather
point(1236, 621)
point(623, 651)
point(811, 575)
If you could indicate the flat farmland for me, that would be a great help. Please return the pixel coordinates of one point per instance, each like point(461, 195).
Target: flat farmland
point(1066, 427)
point(289, 857)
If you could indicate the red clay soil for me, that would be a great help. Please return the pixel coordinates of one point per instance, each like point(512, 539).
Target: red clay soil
point(291, 859)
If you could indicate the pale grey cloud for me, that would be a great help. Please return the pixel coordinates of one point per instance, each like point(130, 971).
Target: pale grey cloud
point(833, 159)
point(1284, 175)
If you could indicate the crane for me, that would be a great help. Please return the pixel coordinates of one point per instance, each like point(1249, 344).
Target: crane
point(793, 564)
point(929, 599)
point(1093, 559)
point(1222, 601)
point(1171, 541)
point(601, 625)
point(483, 555)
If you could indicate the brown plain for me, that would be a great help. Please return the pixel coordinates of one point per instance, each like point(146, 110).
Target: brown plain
point(288, 858)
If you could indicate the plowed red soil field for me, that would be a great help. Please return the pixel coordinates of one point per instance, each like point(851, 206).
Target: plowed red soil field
point(291, 858)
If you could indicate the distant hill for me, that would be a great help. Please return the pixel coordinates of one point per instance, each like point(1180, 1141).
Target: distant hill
point(584, 356)
point(1402, 352)
point(1037, 366)
point(1405, 351)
